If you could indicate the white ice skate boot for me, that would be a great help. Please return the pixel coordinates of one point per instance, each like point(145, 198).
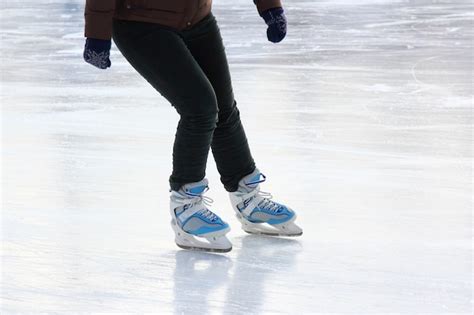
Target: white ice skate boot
point(258, 213)
point(194, 225)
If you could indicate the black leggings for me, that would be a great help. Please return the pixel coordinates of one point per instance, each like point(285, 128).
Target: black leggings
point(189, 68)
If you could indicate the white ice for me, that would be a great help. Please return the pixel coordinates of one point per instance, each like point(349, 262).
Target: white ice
point(361, 119)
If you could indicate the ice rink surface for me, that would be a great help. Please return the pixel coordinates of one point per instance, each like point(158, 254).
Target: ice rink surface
point(361, 119)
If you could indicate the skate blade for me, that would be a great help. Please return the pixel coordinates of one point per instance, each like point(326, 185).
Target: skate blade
point(275, 234)
point(202, 249)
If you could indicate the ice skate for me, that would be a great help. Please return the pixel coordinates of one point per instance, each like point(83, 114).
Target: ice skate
point(258, 214)
point(195, 226)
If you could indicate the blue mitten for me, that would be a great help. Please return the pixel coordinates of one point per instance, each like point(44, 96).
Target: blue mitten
point(276, 21)
point(97, 52)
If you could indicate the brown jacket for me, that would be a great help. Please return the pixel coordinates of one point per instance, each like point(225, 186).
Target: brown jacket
point(179, 14)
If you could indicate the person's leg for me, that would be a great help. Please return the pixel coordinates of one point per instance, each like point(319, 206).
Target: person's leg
point(160, 55)
point(229, 143)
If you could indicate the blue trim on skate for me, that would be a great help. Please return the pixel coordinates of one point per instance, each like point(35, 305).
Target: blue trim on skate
point(196, 191)
point(207, 229)
point(204, 219)
point(285, 211)
point(217, 225)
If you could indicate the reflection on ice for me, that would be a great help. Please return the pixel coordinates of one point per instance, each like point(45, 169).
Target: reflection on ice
point(235, 286)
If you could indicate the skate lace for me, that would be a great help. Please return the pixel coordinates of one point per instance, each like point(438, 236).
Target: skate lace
point(208, 214)
point(198, 200)
point(265, 200)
